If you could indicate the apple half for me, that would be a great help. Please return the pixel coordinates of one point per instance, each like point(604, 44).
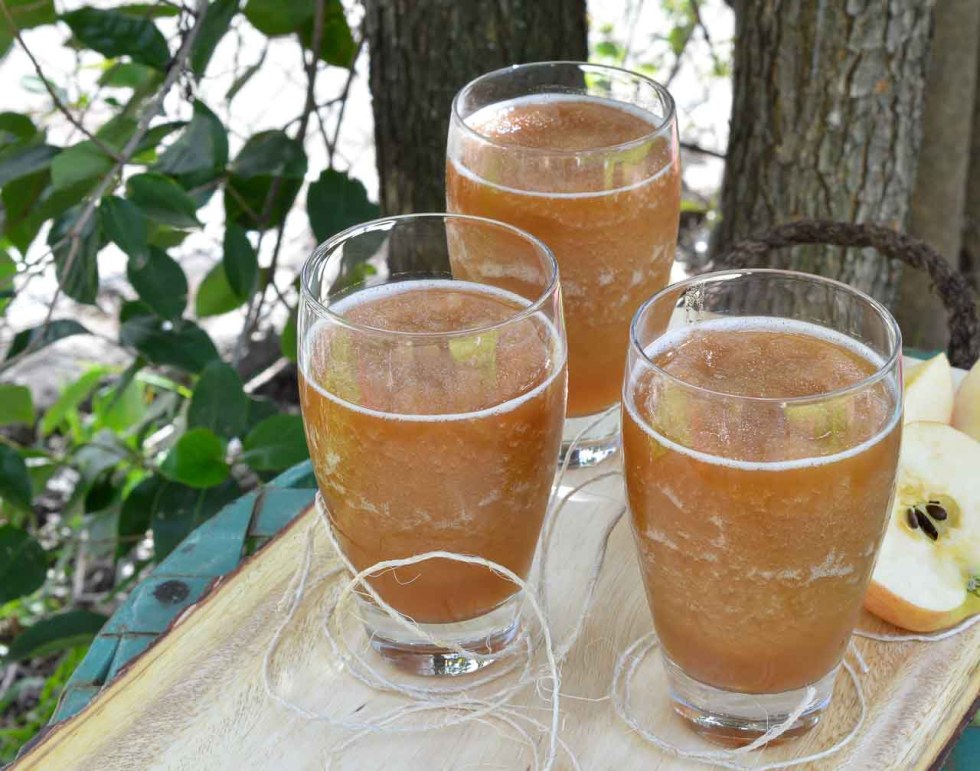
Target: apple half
point(966, 406)
point(929, 391)
point(928, 569)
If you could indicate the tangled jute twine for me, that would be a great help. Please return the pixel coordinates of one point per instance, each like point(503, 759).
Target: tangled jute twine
point(486, 698)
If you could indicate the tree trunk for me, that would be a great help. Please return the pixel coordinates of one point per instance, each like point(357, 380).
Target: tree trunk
point(826, 116)
point(937, 214)
point(423, 52)
point(970, 260)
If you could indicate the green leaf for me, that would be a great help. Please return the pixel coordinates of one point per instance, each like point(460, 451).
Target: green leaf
point(276, 443)
point(287, 340)
point(128, 75)
point(137, 509)
point(15, 484)
point(83, 162)
point(70, 397)
point(15, 126)
point(338, 46)
point(125, 224)
point(159, 281)
point(26, 14)
point(335, 202)
point(249, 199)
point(16, 404)
point(163, 199)
point(242, 80)
point(271, 153)
point(251, 204)
point(8, 269)
point(203, 147)
point(279, 17)
point(76, 257)
point(40, 336)
point(259, 408)
point(117, 131)
point(131, 309)
point(240, 261)
point(179, 509)
point(23, 564)
point(105, 451)
point(180, 344)
point(215, 295)
point(167, 237)
point(22, 220)
point(219, 402)
point(157, 134)
point(21, 159)
point(678, 37)
point(608, 49)
point(113, 34)
point(149, 10)
point(214, 25)
point(197, 460)
point(120, 411)
point(55, 634)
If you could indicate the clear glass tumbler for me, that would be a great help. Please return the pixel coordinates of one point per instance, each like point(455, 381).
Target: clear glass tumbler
point(585, 157)
point(433, 403)
point(761, 428)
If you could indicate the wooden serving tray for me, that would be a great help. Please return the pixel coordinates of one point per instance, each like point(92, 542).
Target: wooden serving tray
point(195, 700)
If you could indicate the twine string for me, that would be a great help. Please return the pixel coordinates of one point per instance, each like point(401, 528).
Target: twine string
point(456, 704)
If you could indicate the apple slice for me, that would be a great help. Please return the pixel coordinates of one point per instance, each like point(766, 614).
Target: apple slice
point(929, 391)
point(928, 567)
point(966, 406)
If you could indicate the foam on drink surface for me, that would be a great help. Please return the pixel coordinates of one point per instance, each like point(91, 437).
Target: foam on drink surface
point(560, 124)
point(794, 378)
point(464, 354)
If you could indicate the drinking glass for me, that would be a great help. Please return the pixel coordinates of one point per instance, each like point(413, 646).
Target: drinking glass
point(585, 157)
point(761, 428)
point(433, 403)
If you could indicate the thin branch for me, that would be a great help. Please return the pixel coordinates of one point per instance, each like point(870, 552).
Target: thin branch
point(696, 10)
point(696, 148)
point(679, 60)
point(332, 146)
point(59, 105)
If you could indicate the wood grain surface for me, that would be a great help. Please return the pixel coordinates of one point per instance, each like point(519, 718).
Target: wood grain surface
point(195, 700)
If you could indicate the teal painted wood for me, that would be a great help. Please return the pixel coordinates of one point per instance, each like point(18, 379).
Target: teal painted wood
point(214, 549)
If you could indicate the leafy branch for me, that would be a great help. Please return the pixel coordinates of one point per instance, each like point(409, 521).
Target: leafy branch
point(59, 105)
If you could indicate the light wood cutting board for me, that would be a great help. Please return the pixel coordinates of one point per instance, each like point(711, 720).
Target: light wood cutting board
point(195, 700)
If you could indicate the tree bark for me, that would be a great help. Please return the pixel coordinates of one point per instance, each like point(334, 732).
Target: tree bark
point(937, 214)
point(423, 52)
point(970, 259)
point(826, 115)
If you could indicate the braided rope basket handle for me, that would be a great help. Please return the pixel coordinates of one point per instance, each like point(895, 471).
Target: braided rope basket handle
point(952, 287)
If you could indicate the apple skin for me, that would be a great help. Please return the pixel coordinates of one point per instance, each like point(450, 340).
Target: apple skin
point(966, 406)
point(899, 612)
point(929, 391)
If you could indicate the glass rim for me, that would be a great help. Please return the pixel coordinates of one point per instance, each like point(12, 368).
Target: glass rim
point(659, 128)
point(323, 251)
point(881, 372)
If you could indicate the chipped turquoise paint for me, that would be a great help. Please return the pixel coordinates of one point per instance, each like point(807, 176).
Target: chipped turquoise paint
point(212, 550)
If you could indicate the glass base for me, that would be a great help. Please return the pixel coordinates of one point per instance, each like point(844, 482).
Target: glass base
point(736, 719)
point(490, 639)
point(599, 442)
